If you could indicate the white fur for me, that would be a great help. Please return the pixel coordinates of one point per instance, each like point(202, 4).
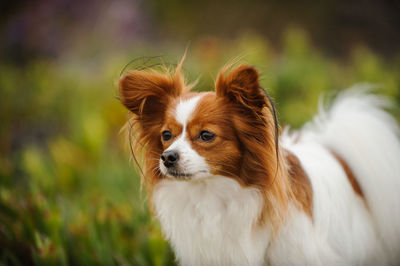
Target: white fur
point(190, 162)
point(185, 108)
point(212, 221)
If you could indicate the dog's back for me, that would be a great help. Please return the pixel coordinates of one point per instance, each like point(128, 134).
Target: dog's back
point(364, 140)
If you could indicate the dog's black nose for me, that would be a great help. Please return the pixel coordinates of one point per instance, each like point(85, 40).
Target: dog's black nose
point(170, 158)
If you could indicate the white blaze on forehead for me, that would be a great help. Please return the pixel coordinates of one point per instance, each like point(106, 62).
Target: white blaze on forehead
point(185, 109)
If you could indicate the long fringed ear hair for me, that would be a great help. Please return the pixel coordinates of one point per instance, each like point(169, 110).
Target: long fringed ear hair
point(241, 88)
point(146, 93)
point(276, 126)
point(256, 124)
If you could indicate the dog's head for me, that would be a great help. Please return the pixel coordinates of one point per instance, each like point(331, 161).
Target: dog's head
point(190, 136)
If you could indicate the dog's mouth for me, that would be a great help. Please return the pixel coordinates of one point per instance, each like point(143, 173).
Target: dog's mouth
point(173, 172)
point(178, 174)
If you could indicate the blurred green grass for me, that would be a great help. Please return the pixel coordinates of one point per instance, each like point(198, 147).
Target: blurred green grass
point(69, 194)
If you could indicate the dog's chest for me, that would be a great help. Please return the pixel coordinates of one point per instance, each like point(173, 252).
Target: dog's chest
point(212, 221)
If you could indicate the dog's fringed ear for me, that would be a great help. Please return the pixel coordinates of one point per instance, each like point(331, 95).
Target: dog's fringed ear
point(241, 86)
point(148, 93)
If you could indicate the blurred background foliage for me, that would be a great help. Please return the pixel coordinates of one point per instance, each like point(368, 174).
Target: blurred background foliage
point(68, 193)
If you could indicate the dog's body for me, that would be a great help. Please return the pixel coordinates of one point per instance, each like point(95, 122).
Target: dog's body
point(226, 194)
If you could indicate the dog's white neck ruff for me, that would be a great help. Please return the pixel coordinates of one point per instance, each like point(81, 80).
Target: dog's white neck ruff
point(212, 221)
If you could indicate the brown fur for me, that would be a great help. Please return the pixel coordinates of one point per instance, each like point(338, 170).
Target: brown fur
point(301, 184)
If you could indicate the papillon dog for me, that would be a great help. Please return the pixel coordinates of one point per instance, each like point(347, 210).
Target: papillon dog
point(229, 188)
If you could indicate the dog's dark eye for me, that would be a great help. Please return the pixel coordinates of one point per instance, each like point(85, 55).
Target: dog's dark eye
point(166, 135)
point(206, 136)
